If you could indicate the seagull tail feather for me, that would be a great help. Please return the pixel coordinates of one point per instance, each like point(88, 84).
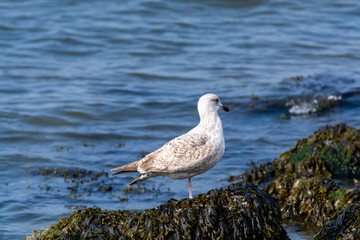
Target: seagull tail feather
point(139, 178)
point(131, 167)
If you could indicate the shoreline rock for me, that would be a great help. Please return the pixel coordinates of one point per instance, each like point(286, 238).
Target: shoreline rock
point(310, 201)
point(332, 151)
point(238, 211)
point(302, 180)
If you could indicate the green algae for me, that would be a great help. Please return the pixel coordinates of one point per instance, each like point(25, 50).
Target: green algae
point(234, 212)
point(337, 160)
point(339, 194)
point(305, 152)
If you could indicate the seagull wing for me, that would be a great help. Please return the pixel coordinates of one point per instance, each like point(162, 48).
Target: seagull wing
point(180, 154)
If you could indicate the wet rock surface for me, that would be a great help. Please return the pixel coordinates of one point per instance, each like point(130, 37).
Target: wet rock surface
point(239, 211)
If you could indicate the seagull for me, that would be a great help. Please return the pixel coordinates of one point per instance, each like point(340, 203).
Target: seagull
point(188, 155)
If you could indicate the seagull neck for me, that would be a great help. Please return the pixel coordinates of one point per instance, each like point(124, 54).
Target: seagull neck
point(211, 121)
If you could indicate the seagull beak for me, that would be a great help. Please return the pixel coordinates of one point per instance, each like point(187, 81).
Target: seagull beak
point(225, 108)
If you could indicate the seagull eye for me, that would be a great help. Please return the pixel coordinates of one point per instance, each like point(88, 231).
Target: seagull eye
point(216, 100)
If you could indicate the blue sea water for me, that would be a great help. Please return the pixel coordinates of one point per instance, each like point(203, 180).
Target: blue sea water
point(89, 85)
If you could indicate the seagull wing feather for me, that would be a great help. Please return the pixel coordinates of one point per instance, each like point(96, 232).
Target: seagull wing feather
point(179, 154)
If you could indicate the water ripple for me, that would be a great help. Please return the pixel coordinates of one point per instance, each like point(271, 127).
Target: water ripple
point(92, 84)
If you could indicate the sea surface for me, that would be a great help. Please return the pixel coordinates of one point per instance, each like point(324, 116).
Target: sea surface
point(89, 85)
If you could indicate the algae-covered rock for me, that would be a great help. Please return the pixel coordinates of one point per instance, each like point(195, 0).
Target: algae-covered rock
point(300, 180)
point(338, 146)
point(310, 202)
point(330, 151)
point(234, 212)
point(344, 227)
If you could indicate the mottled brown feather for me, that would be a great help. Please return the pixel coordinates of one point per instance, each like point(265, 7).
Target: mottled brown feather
point(174, 153)
point(131, 167)
point(136, 180)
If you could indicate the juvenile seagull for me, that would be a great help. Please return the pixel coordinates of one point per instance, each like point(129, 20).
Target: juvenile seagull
point(187, 155)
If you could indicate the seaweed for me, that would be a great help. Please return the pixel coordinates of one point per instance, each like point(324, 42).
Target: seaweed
point(332, 151)
point(338, 146)
point(301, 179)
point(310, 201)
point(345, 226)
point(239, 211)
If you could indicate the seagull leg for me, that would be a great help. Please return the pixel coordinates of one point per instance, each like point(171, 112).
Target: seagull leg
point(190, 189)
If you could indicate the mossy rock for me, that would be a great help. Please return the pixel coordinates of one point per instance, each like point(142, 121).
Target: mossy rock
point(234, 212)
point(300, 180)
point(332, 151)
point(338, 146)
point(344, 227)
point(310, 201)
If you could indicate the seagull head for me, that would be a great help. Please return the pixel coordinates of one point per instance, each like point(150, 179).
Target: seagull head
point(210, 103)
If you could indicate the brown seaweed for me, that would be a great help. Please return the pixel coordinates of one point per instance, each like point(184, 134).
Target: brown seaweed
point(345, 226)
point(234, 212)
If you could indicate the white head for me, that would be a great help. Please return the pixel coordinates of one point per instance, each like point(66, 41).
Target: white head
point(210, 103)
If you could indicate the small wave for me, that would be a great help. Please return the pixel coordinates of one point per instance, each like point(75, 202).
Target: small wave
point(303, 108)
point(300, 106)
point(7, 28)
point(295, 105)
point(312, 94)
point(73, 52)
point(48, 121)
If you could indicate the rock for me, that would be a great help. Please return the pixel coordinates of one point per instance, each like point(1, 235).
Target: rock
point(234, 212)
point(337, 146)
point(332, 151)
point(301, 178)
point(344, 227)
point(310, 201)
